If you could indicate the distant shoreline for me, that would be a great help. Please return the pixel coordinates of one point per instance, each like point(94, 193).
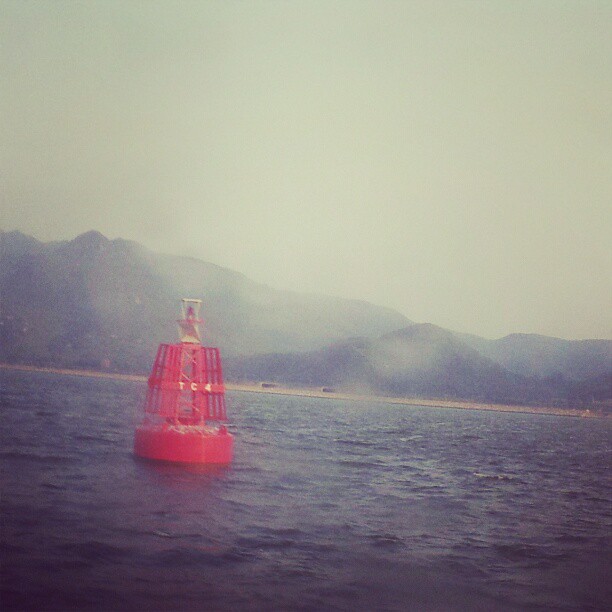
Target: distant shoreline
point(303, 392)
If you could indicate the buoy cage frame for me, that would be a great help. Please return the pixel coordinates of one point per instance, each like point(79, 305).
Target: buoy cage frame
point(185, 411)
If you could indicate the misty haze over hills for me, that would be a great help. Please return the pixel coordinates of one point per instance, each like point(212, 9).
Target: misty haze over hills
point(80, 302)
point(101, 304)
point(424, 360)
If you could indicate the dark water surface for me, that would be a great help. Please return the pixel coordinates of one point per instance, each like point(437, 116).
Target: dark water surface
point(329, 505)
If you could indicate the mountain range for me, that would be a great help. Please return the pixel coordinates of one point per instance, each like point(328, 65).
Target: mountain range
point(91, 300)
point(423, 360)
point(105, 304)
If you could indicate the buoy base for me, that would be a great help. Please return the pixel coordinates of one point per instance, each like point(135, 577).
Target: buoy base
point(184, 444)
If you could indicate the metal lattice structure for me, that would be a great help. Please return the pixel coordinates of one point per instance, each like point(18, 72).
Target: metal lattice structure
point(186, 385)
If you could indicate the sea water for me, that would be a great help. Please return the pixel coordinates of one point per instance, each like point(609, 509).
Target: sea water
point(328, 505)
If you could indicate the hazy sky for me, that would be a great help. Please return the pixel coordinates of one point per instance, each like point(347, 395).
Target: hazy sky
point(451, 160)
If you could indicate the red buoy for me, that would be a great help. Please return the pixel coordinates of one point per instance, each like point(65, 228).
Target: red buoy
point(184, 413)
